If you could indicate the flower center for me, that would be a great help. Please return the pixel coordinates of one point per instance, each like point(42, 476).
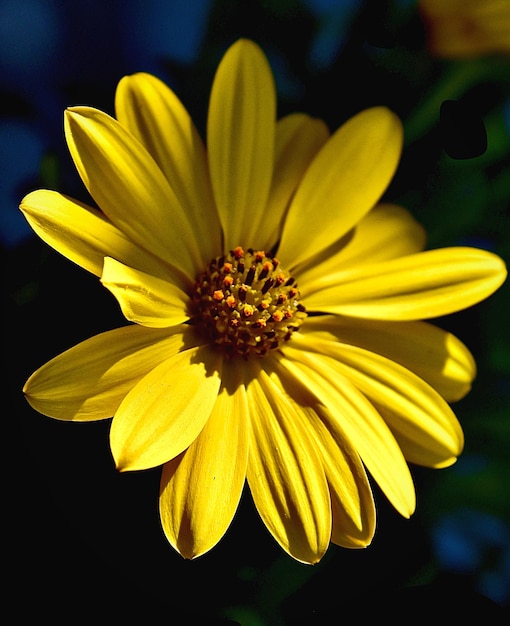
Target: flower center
point(246, 303)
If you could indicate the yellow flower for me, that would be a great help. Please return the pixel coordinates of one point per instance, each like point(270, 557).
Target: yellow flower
point(276, 309)
point(466, 28)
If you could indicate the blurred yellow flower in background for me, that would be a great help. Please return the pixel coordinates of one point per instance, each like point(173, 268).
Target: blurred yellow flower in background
point(276, 310)
point(466, 28)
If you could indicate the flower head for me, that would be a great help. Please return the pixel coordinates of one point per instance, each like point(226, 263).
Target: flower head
point(277, 310)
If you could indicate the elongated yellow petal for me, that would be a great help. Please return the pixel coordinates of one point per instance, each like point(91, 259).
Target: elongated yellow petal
point(130, 189)
point(201, 488)
point(387, 232)
point(165, 412)
point(89, 381)
point(83, 234)
point(351, 415)
point(418, 413)
point(419, 445)
point(240, 141)
point(143, 298)
point(298, 139)
point(155, 116)
point(344, 181)
point(419, 286)
point(435, 355)
point(352, 504)
point(348, 531)
point(285, 473)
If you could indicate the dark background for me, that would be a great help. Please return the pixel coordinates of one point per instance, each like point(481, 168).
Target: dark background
point(84, 542)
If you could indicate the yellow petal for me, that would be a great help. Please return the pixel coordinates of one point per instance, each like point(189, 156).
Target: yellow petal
point(419, 445)
point(130, 189)
point(352, 504)
point(240, 141)
point(285, 472)
point(351, 415)
point(419, 286)
point(156, 117)
point(201, 488)
point(143, 298)
point(435, 355)
point(165, 412)
point(298, 139)
point(344, 181)
point(387, 232)
point(82, 234)
point(89, 381)
point(417, 413)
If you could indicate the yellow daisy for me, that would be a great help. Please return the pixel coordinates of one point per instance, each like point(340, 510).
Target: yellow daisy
point(276, 309)
point(466, 28)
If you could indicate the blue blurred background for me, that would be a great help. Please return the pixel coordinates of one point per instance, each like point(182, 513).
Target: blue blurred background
point(85, 536)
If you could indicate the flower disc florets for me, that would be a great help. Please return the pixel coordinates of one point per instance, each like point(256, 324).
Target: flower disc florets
point(246, 303)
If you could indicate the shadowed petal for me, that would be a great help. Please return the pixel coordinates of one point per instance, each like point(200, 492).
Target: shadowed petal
point(344, 181)
point(420, 445)
point(240, 142)
point(298, 139)
point(164, 413)
point(417, 412)
point(419, 286)
point(89, 381)
point(349, 530)
point(155, 116)
point(435, 355)
point(387, 232)
point(351, 414)
point(352, 504)
point(201, 488)
point(145, 299)
point(285, 473)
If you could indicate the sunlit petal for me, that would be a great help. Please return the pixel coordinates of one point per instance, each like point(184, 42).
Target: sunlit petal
point(345, 180)
point(83, 234)
point(166, 410)
point(145, 299)
point(240, 141)
point(89, 381)
point(285, 473)
point(419, 286)
point(129, 187)
point(145, 106)
point(201, 488)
